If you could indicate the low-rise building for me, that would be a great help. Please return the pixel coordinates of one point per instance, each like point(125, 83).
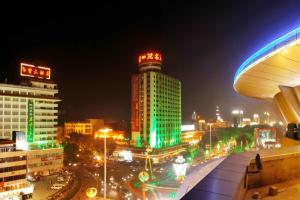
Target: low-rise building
point(87, 127)
point(13, 172)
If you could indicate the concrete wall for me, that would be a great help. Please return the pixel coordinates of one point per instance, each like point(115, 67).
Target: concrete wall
point(276, 168)
point(287, 142)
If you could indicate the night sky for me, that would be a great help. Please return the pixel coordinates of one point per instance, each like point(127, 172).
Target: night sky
point(92, 50)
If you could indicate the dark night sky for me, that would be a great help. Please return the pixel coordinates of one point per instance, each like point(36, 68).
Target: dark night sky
point(92, 49)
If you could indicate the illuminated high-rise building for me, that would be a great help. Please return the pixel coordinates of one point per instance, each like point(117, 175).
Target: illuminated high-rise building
point(237, 118)
point(156, 105)
point(31, 108)
point(266, 118)
point(256, 119)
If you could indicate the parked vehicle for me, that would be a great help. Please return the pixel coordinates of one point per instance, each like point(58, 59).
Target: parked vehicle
point(60, 179)
point(57, 186)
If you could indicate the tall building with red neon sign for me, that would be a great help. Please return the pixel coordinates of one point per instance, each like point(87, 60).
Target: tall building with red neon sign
point(156, 104)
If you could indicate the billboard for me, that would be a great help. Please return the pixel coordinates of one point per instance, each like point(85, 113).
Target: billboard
point(30, 121)
point(188, 127)
point(135, 103)
point(35, 72)
point(266, 138)
point(21, 143)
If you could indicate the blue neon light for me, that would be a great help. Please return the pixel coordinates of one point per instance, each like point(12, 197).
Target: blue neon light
point(280, 42)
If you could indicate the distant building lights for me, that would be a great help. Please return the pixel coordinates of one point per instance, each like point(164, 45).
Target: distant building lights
point(188, 127)
point(126, 155)
point(235, 112)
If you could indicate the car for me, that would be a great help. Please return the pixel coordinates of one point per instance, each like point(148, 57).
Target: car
point(57, 186)
point(33, 178)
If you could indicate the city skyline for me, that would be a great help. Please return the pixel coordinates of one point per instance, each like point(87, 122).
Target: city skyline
point(141, 101)
point(88, 61)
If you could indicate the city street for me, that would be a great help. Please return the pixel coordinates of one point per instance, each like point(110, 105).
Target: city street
point(42, 187)
point(92, 176)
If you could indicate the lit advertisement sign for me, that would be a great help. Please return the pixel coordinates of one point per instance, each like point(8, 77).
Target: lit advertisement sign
point(265, 136)
point(30, 119)
point(21, 143)
point(135, 103)
point(36, 72)
point(150, 57)
point(189, 127)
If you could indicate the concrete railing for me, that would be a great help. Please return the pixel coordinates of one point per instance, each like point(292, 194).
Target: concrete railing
point(197, 175)
point(278, 165)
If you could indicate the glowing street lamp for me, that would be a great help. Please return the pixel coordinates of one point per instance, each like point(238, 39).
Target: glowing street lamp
point(144, 177)
point(209, 124)
point(105, 131)
point(180, 167)
point(91, 192)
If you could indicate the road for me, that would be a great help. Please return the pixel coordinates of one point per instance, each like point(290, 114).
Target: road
point(118, 174)
point(87, 180)
point(42, 187)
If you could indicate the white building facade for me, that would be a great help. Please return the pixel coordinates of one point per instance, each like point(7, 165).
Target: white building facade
point(13, 169)
point(32, 108)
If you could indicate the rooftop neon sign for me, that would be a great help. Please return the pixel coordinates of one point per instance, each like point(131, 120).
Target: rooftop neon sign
point(35, 72)
point(268, 49)
point(150, 57)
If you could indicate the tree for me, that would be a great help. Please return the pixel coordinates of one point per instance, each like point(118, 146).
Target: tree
point(99, 145)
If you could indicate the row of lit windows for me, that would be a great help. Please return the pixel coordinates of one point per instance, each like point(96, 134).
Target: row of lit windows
point(12, 113)
point(162, 77)
point(49, 138)
point(11, 169)
point(45, 132)
point(6, 119)
point(14, 126)
point(12, 99)
point(78, 130)
point(12, 178)
point(44, 156)
point(6, 134)
point(12, 159)
point(13, 187)
point(25, 93)
point(23, 106)
point(45, 102)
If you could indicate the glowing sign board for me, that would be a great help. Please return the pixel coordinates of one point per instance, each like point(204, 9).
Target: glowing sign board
point(36, 72)
point(30, 122)
point(135, 103)
point(188, 127)
point(21, 143)
point(150, 57)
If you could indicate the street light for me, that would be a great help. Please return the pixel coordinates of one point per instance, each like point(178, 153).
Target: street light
point(209, 124)
point(105, 130)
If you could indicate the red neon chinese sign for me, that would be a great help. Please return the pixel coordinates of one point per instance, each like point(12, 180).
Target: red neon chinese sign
point(150, 57)
point(36, 72)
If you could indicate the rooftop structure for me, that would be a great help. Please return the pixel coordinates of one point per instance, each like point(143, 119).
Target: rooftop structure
point(273, 72)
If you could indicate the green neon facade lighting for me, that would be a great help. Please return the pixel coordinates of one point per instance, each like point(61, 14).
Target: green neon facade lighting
point(153, 137)
point(30, 120)
point(161, 99)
